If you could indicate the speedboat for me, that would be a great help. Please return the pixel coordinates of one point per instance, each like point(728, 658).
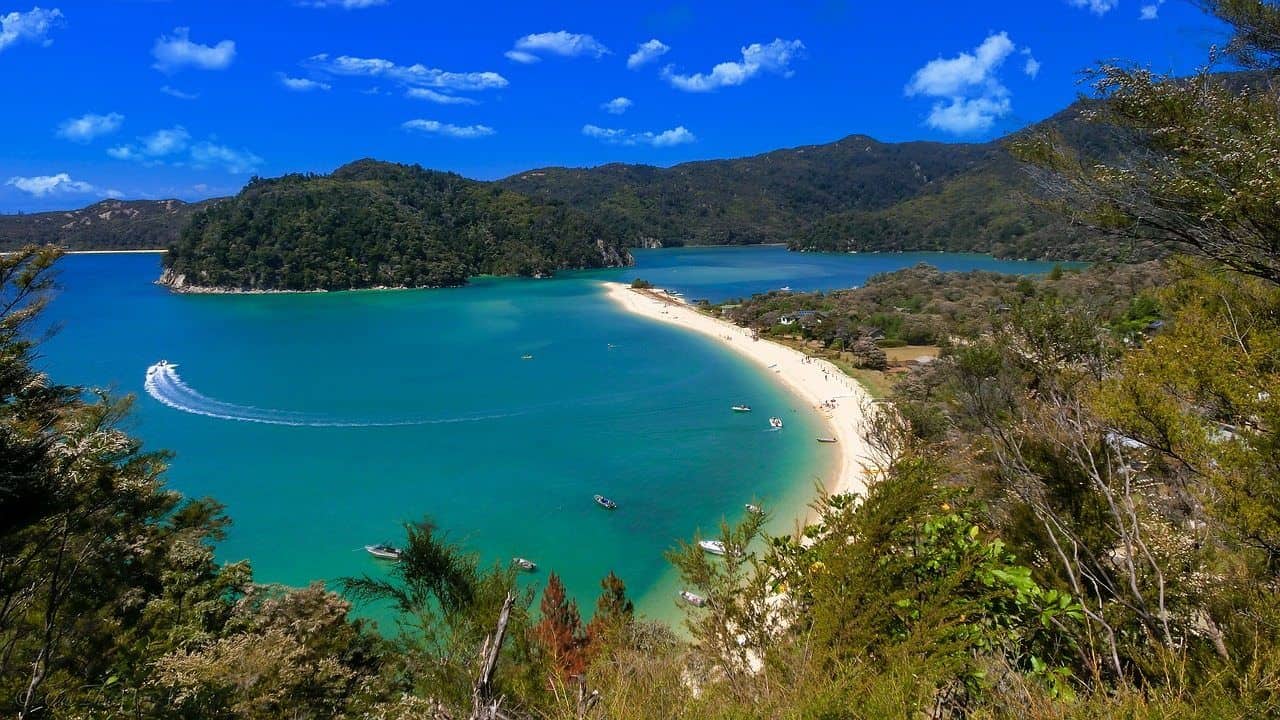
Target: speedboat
point(693, 598)
point(383, 551)
point(715, 547)
point(741, 408)
point(826, 440)
point(775, 422)
point(606, 503)
point(754, 509)
point(785, 288)
point(526, 356)
point(524, 564)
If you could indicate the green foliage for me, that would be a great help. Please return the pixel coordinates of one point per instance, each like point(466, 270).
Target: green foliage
point(372, 224)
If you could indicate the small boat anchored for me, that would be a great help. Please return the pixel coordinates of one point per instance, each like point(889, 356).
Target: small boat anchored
point(693, 598)
point(524, 564)
point(605, 502)
point(526, 356)
point(741, 408)
point(754, 509)
point(715, 547)
point(383, 551)
point(775, 423)
point(827, 440)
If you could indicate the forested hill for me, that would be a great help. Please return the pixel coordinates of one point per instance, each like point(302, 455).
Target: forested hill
point(376, 224)
point(106, 225)
point(854, 194)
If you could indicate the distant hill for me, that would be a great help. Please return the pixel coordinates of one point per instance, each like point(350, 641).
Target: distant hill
point(377, 224)
point(853, 194)
point(106, 225)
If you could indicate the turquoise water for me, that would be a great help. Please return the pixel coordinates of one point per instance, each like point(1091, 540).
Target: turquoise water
point(324, 421)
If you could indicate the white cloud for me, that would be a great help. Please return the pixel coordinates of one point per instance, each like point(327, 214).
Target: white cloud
point(1150, 11)
point(173, 52)
point(301, 84)
point(1097, 7)
point(647, 52)
point(166, 142)
point(954, 76)
point(173, 146)
point(773, 58)
point(33, 25)
point(562, 43)
point(970, 95)
point(417, 75)
point(233, 161)
point(675, 136)
point(617, 106)
point(175, 92)
point(446, 129)
point(1030, 68)
point(437, 97)
point(522, 57)
point(42, 185)
point(89, 126)
point(344, 4)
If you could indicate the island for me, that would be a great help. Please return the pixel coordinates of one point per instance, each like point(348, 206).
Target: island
point(374, 224)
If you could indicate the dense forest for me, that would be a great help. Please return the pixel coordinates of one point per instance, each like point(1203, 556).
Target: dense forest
point(1076, 513)
point(106, 225)
point(854, 194)
point(375, 224)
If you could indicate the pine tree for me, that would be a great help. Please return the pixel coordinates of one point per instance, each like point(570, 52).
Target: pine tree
point(614, 610)
point(560, 630)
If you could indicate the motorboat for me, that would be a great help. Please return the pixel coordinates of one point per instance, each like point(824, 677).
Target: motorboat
point(384, 552)
point(524, 564)
point(754, 509)
point(605, 502)
point(715, 547)
point(826, 440)
point(775, 423)
point(526, 356)
point(741, 408)
point(693, 599)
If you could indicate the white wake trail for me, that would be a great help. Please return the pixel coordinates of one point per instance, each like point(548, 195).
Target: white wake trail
point(165, 385)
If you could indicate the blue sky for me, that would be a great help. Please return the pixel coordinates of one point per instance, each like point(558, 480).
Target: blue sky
point(153, 99)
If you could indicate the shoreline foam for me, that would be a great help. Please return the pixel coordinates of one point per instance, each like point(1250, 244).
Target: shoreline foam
point(814, 380)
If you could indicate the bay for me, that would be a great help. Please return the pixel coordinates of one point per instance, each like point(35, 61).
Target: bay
point(324, 421)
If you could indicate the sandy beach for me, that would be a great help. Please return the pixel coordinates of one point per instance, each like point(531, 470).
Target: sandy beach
point(835, 395)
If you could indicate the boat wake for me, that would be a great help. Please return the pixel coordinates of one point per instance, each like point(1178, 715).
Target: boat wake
point(165, 385)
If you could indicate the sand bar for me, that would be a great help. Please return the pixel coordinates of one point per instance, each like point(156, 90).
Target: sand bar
point(825, 387)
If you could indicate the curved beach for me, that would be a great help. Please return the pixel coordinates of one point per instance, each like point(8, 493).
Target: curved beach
point(836, 396)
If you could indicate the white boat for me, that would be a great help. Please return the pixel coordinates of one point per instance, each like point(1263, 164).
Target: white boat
point(383, 552)
point(741, 408)
point(162, 365)
point(775, 422)
point(693, 598)
point(524, 564)
point(526, 357)
point(605, 502)
point(715, 547)
point(785, 288)
point(754, 509)
point(826, 440)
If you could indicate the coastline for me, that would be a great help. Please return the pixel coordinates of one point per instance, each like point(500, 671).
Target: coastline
point(813, 380)
point(156, 251)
